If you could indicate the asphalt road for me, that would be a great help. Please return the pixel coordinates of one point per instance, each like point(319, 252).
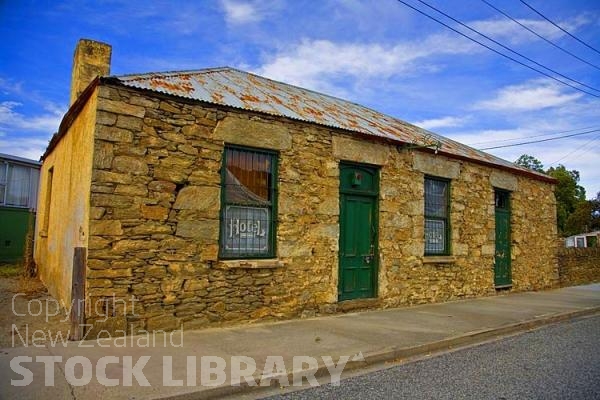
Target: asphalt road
point(556, 362)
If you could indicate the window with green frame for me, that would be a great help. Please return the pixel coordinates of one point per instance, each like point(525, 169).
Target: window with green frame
point(437, 224)
point(248, 203)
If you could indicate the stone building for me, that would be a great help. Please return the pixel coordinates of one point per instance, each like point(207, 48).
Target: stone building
point(218, 196)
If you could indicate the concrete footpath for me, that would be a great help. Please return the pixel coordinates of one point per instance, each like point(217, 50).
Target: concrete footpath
point(365, 339)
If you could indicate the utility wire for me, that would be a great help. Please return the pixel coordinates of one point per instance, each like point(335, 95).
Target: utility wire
point(540, 36)
point(576, 150)
point(496, 51)
point(534, 136)
point(540, 141)
point(506, 47)
point(559, 27)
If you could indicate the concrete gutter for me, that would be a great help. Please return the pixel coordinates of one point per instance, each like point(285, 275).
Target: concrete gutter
point(370, 338)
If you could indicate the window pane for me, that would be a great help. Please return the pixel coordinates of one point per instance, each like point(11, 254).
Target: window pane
point(248, 198)
point(2, 173)
point(435, 236)
point(247, 179)
point(436, 198)
point(246, 230)
point(17, 186)
point(501, 200)
point(2, 181)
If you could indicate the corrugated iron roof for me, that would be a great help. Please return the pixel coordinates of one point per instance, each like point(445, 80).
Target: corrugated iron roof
point(232, 87)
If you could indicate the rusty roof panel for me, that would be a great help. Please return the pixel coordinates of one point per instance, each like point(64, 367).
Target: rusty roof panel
point(231, 87)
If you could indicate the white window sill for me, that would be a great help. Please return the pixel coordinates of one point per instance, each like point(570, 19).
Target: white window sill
point(252, 264)
point(439, 260)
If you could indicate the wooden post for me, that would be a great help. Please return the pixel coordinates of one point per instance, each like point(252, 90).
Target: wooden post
point(78, 294)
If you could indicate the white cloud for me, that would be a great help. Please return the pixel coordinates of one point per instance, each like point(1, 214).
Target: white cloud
point(9, 87)
point(444, 122)
point(583, 160)
point(492, 137)
point(580, 153)
point(319, 63)
point(25, 147)
point(11, 120)
point(316, 64)
point(532, 95)
point(238, 12)
point(507, 30)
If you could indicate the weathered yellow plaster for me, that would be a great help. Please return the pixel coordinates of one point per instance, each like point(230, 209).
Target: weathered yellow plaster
point(71, 161)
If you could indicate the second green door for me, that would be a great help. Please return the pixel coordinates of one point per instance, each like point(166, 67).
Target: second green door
point(502, 258)
point(358, 233)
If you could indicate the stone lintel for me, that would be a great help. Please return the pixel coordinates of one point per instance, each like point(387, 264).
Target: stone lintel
point(254, 132)
point(436, 165)
point(504, 180)
point(348, 149)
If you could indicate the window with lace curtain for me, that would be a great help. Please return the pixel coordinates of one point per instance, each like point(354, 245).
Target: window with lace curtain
point(16, 185)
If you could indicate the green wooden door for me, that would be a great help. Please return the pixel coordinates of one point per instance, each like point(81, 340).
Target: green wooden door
point(358, 232)
point(502, 269)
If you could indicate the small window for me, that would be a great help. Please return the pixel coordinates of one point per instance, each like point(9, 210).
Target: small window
point(580, 242)
point(48, 200)
point(502, 199)
point(17, 186)
point(3, 167)
point(437, 202)
point(248, 209)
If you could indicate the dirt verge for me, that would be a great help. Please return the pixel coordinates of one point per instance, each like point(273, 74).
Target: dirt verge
point(28, 314)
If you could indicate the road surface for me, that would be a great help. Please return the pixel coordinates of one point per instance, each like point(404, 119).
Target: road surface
point(559, 361)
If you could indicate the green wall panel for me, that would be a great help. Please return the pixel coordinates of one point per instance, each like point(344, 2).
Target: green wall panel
point(13, 230)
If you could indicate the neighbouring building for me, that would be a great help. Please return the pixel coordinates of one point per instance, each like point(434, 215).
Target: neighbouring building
point(18, 202)
point(219, 196)
point(583, 240)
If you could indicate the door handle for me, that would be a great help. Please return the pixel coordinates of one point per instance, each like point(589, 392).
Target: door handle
point(368, 259)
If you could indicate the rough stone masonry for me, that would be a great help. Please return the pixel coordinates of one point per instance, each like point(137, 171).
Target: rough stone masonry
point(154, 219)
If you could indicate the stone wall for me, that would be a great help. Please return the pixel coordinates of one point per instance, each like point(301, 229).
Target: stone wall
point(534, 232)
point(154, 220)
point(579, 266)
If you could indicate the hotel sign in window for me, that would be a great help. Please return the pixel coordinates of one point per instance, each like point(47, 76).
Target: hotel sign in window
point(248, 203)
point(436, 216)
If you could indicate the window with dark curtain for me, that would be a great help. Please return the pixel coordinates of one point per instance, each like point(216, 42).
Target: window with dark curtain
point(436, 216)
point(248, 203)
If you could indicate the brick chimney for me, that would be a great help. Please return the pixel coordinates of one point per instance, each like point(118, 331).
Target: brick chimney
point(91, 59)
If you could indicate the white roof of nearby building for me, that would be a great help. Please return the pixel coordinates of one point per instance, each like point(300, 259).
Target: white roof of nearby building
point(21, 160)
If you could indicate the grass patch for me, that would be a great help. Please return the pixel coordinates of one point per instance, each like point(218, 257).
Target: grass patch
point(30, 286)
point(10, 270)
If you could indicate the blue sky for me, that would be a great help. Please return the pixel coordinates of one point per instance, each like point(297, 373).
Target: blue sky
point(378, 53)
